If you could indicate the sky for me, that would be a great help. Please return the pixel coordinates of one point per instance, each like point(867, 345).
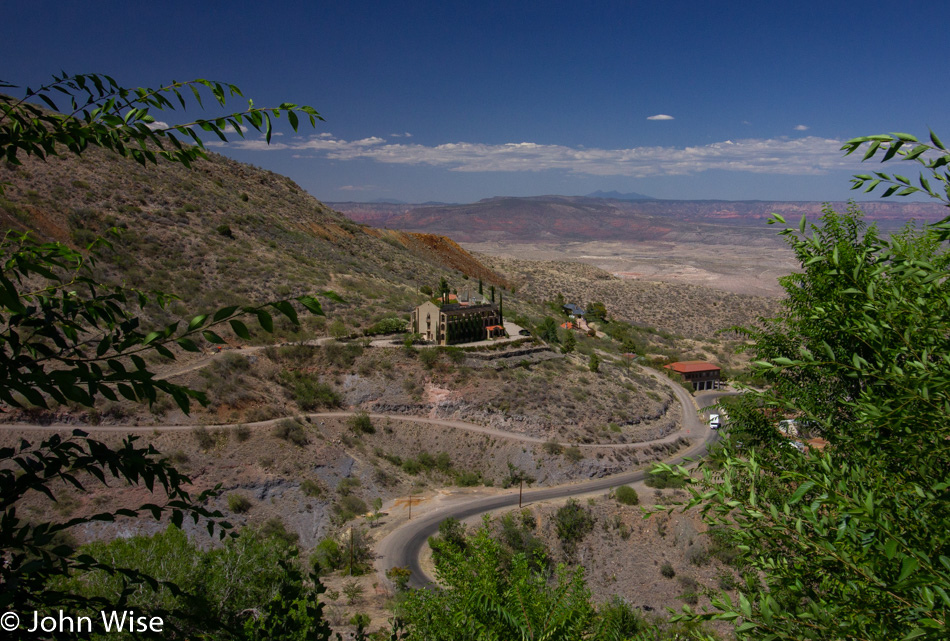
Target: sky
point(459, 101)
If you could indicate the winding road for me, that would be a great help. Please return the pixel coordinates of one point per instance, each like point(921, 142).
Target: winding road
point(403, 546)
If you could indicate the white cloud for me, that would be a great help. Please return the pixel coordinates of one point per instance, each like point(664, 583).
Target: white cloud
point(357, 188)
point(158, 124)
point(806, 155)
point(660, 117)
point(801, 127)
point(402, 135)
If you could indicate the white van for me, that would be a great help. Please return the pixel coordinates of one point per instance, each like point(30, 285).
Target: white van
point(714, 422)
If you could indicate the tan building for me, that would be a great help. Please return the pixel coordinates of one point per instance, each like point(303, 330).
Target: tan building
point(455, 323)
point(703, 375)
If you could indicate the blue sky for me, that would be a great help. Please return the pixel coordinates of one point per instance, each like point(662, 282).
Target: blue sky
point(457, 101)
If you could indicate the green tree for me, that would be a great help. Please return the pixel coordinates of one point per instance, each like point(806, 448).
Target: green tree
point(569, 343)
point(594, 363)
point(547, 330)
point(65, 337)
point(596, 312)
point(483, 599)
point(850, 542)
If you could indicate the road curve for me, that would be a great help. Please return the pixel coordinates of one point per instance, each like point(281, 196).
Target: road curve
point(403, 546)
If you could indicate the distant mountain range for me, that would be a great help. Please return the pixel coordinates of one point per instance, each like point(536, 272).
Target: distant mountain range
point(556, 219)
point(616, 195)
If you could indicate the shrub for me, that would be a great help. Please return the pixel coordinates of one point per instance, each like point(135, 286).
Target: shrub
point(309, 392)
point(662, 480)
point(349, 507)
point(698, 556)
point(619, 617)
point(203, 436)
point(573, 522)
point(361, 424)
point(468, 479)
point(573, 454)
point(342, 355)
point(311, 488)
point(691, 590)
point(361, 620)
point(386, 326)
point(225, 230)
point(327, 556)
point(353, 592)
point(346, 485)
point(274, 528)
point(399, 576)
point(429, 356)
point(238, 503)
point(242, 433)
point(627, 495)
point(667, 570)
point(552, 447)
point(290, 430)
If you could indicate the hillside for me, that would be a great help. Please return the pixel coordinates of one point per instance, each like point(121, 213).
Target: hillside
point(226, 233)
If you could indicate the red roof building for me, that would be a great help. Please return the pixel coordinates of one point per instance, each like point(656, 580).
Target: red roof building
point(702, 375)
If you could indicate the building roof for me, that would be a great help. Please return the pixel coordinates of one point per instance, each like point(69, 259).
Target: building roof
point(574, 309)
point(690, 367)
point(567, 325)
point(456, 309)
point(491, 327)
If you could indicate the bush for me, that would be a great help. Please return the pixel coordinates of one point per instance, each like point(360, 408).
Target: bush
point(203, 436)
point(353, 592)
point(399, 576)
point(469, 479)
point(627, 495)
point(290, 430)
point(238, 503)
point(623, 620)
point(349, 507)
point(667, 570)
point(274, 528)
point(553, 448)
point(311, 488)
point(429, 356)
point(242, 433)
point(573, 522)
point(361, 424)
point(662, 480)
point(326, 556)
point(386, 326)
point(309, 392)
point(573, 454)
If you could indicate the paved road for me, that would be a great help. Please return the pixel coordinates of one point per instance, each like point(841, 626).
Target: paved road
point(403, 546)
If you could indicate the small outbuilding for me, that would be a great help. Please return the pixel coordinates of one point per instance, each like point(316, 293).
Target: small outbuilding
point(574, 311)
point(702, 375)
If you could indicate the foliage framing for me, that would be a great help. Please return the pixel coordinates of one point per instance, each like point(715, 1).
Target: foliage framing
point(66, 337)
point(852, 542)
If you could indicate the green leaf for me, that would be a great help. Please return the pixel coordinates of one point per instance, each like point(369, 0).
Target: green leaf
point(197, 322)
point(265, 320)
point(211, 337)
point(223, 313)
point(802, 490)
point(240, 329)
point(908, 565)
